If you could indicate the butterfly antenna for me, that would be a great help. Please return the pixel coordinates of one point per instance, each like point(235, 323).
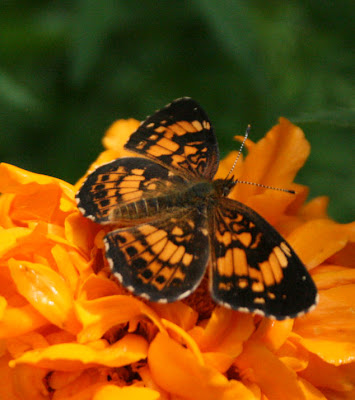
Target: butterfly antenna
point(240, 150)
point(266, 186)
point(253, 183)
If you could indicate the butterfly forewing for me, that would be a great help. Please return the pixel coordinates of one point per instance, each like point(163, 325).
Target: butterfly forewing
point(254, 268)
point(163, 260)
point(180, 137)
point(127, 188)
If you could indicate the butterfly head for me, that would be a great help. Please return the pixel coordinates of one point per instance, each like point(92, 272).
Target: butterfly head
point(224, 186)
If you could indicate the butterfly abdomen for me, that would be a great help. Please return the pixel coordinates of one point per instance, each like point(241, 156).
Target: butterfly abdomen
point(146, 208)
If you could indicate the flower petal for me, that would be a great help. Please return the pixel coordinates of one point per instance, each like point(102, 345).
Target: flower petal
point(20, 320)
point(99, 315)
point(46, 290)
point(226, 331)
point(260, 365)
point(317, 240)
point(329, 330)
point(75, 356)
point(273, 161)
point(112, 392)
point(178, 313)
point(177, 371)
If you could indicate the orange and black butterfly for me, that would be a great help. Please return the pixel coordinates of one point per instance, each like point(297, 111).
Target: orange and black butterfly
point(177, 220)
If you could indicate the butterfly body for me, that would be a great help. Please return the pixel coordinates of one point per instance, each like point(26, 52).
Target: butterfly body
point(176, 220)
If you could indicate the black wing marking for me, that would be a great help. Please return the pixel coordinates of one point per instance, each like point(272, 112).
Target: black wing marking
point(179, 137)
point(163, 260)
point(253, 268)
point(127, 188)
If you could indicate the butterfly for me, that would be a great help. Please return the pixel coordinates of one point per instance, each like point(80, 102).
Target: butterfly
point(175, 220)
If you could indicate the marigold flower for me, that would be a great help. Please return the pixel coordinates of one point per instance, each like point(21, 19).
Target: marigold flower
point(69, 331)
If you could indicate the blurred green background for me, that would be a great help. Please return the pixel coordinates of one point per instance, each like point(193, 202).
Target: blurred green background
point(68, 69)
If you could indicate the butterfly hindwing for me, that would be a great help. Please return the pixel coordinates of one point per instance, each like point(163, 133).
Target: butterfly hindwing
point(180, 137)
point(253, 268)
point(124, 186)
point(163, 260)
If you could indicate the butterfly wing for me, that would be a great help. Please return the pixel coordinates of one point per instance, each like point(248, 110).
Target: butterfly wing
point(163, 260)
point(125, 188)
point(179, 137)
point(253, 268)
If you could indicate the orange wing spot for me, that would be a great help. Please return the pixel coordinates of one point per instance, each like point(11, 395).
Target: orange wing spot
point(268, 276)
point(197, 125)
point(177, 256)
point(225, 264)
point(257, 287)
point(168, 144)
point(178, 274)
point(128, 184)
point(154, 137)
point(150, 125)
point(206, 125)
point(242, 283)
point(153, 235)
point(285, 249)
point(168, 251)
point(225, 286)
point(188, 150)
point(137, 171)
point(226, 239)
point(177, 129)
point(187, 258)
point(159, 246)
point(147, 229)
point(134, 178)
point(240, 262)
point(275, 267)
point(152, 186)
point(255, 245)
point(158, 151)
point(160, 129)
point(259, 300)
point(177, 231)
point(132, 195)
point(271, 295)
point(245, 238)
point(187, 126)
point(255, 274)
point(280, 255)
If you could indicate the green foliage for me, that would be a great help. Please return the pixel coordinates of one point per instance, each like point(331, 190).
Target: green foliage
point(69, 69)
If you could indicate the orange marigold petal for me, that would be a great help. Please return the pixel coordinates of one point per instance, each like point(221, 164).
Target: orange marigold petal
point(274, 160)
point(258, 364)
point(310, 392)
point(20, 320)
point(112, 392)
point(47, 291)
point(74, 356)
point(317, 240)
point(324, 375)
point(328, 276)
point(96, 286)
point(273, 333)
point(7, 390)
point(118, 134)
point(315, 208)
point(226, 331)
point(9, 237)
point(29, 382)
point(179, 313)
point(99, 315)
point(177, 371)
point(332, 321)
